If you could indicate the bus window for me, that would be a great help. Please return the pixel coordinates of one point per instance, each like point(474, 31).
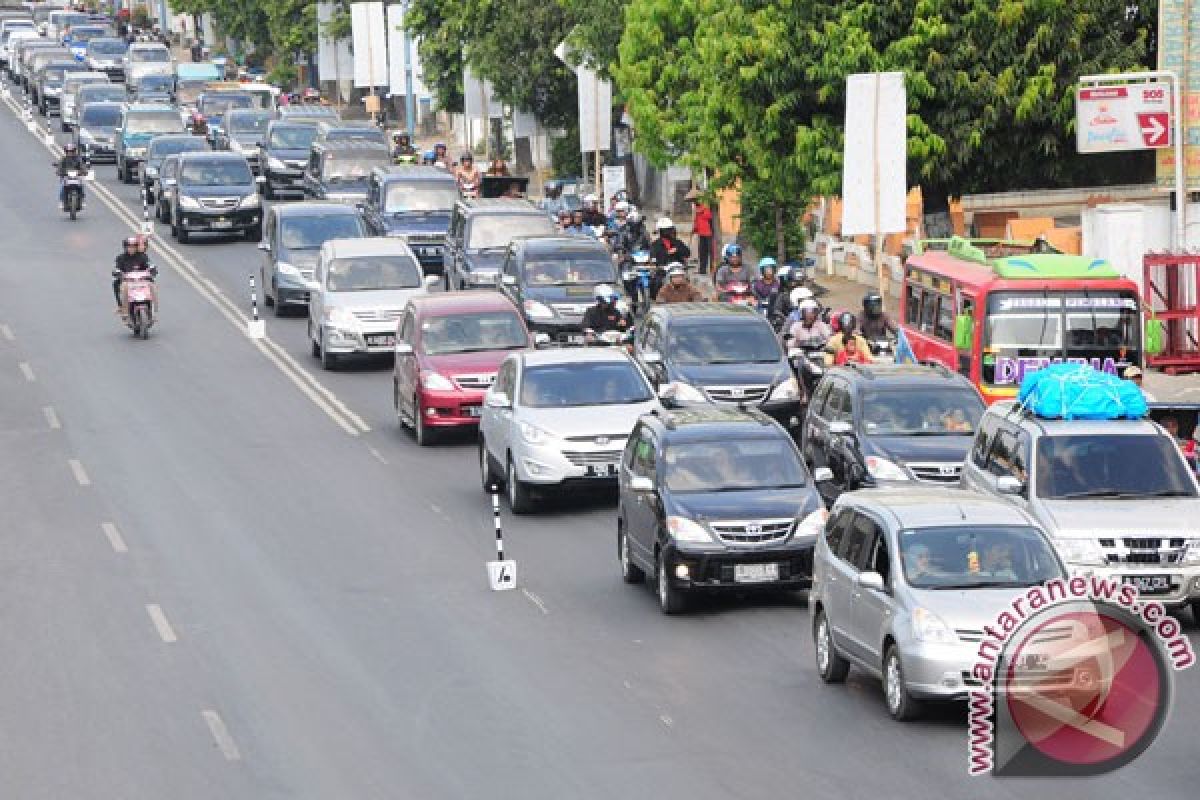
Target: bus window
point(912, 304)
point(929, 311)
point(944, 328)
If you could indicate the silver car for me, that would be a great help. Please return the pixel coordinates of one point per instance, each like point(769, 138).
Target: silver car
point(904, 581)
point(361, 289)
point(558, 418)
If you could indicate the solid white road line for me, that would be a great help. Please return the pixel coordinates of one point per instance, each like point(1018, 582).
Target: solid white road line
point(221, 734)
point(160, 623)
point(537, 601)
point(51, 418)
point(7, 333)
point(81, 475)
point(27, 371)
point(114, 538)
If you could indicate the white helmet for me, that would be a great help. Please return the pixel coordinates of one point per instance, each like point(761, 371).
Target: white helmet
point(605, 292)
point(590, 200)
point(676, 268)
point(622, 206)
point(799, 295)
point(807, 305)
point(635, 216)
point(664, 223)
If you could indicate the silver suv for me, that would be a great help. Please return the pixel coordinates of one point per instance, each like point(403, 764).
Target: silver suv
point(1116, 496)
point(904, 581)
point(556, 418)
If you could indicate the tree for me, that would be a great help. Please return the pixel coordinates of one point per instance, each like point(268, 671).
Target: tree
point(440, 25)
point(597, 32)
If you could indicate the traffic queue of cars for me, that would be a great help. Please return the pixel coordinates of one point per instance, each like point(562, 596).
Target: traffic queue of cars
point(907, 510)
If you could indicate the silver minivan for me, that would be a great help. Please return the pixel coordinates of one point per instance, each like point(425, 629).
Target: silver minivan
point(68, 107)
point(904, 581)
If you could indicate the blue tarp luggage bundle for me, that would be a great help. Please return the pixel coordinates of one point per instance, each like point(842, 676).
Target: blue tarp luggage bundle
point(1077, 391)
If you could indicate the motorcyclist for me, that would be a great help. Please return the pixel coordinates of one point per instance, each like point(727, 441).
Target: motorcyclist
point(795, 298)
point(467, 175)
point(766, 288)
point(132, 259)
point(402, 145)
point(199, 125)
point(667, 248)
point(678, 289)
point(604, 315)
point(428, 158)
point(631, 237)
point(875, 323)
point(576, 225)
point(809, 332)
point(439, 152)
point(593, 217)
point(733, 269)
point(847, 329)
point(619, 216)
point(71, 161)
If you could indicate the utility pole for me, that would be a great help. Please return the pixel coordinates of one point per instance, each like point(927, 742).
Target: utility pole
point(409, 101)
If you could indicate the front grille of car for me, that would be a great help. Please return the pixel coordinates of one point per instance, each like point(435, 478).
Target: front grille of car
point(426, 240)
point(758, 531)
point(593, 459)
point(737, 394)
point(475, 381)
point(600, 440)
point(295, 163)
point(378, 314)
point(570, 309)
point(219, 203)
point(947, 472)
point(719, 571)
point(1143, 550)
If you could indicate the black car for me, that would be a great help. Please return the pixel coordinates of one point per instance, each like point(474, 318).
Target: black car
point(887, 424)
point(50, 80)
point(283, 155)
point(715, 498)
point(337, 130)
point(340, 170)
point(291, 244)
point(215, 193)
point(243, 132)
point(160, 147)
point(213, 106)
point(94, 132)
point(479, 235)
point(163, 188)
point(718, 353)
point(415, 204)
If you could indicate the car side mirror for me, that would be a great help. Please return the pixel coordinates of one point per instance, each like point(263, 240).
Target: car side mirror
point(841, 428)
point(264, 246)
point(497, 400)
point(822, 475)
point(403, 349)
point(1007, 484)
point(871, 580)
point(431, 281)
point(640, 483)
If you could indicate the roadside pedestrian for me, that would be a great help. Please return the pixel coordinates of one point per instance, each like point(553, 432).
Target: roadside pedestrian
point(702, 229)
point(1134, 374)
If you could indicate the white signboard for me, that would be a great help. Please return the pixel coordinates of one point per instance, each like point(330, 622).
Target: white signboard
point(474, 93)
point(334, 59)
point(614, 181)
point(524, 125)
point(874, 187)
point(595, 111)
point(1132, 116)
point(396, 59)
point(370, 44)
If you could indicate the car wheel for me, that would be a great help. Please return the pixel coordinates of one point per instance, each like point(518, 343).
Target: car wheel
point(901, 705)
point(268, 192)
point(65, 127)
point(268, 298)
point(487, 476)
point(424, 434)
point(630, 572)
point(520, 499)
point(183, 236)
point(831, 666)
point(313, 343)
point(329, 360)
point(670, 599)
point(1196, 613)
point(254, 234)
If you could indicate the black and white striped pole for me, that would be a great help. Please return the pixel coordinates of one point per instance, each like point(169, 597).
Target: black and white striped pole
point(502, 573)
point(255, 328)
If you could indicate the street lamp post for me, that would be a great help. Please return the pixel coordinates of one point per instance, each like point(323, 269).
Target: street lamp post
point(409, 101)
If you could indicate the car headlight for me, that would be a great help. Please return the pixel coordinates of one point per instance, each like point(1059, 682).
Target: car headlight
point(190, 203)
point(275, 164)
point(682, 392)
point(536, 310)
point(250, 201)
point(929, 627)
point(283, 268)
point(533, 434)
point(151, 172)
point(85, 137)
point(812, 525)
point(1084, 551)
point(436, 381)
point(686, 530)
point(1191, 552)
point(883, 470)
point(788, 390)
point(338, 317)
point(135, 152)
point(235, 146)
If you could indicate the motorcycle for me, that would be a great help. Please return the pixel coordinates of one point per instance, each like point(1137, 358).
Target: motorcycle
point(739, 294)
point(883, 350)
point(808, 365)
point(636, 277)
point(138, 290)
point(469, 189)
point(72, 188)
point(607, 338)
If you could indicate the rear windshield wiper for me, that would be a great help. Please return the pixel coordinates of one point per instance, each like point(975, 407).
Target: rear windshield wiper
point(1100, 493)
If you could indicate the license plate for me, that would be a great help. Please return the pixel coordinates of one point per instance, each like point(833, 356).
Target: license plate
point(601, 471)
point(575, 338)
point(381, 339)
point(1149, 584)
point(222, 223)
point(755, 573)
point(473, 411)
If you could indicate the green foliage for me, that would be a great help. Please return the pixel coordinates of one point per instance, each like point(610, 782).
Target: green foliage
point(759, 217)
point(597, 33)
point(565, 157)
point(442, 33)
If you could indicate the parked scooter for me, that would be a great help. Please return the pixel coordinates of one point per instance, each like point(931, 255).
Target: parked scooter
point(138, 292)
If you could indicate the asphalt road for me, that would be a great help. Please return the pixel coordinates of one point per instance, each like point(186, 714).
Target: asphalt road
point(211, 587)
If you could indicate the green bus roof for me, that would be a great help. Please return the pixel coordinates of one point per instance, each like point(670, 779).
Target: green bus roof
point(1023, 260)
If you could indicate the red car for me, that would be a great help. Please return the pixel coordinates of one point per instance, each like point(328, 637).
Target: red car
point(448, 348)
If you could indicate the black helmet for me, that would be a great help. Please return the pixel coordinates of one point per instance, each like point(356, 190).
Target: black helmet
point(872, 304)
point(846, 323)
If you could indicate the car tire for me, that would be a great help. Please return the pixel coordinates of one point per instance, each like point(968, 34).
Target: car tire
point(281, 311)
point(1196, 613)
point(424, 435)
point(254, 234)
point(901, 705)
point(65, 127)
point(520, 499)
point(830, 665)
point(487, 475)
point(314, 345)
point(267, 191)
point(268, 298)
point(183, 236)
point(630, 572)
point(329, 361)
point(670, 599)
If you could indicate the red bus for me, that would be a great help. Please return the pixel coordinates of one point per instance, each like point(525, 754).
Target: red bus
point(996, 311)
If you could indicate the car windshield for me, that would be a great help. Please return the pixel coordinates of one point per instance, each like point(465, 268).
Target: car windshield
point(155, 83)
point(226, 172)
point(161, 148)
point(733, 465)
point(56, 75)
point(495, 231)
point(1087, 466)
point(299, 137)
point(355, 134)
point(586, 384)
point(368, 273)
point(106, 47)
point(248, 123)
point(189, 91)
point(166, 122)
point(217, 106)
point(717, 341)
point(153, 55)
point(471, 333)
point(84, 34)
point(567, 268)
point(977, 557)
point(309, 232)
point(419, 196)
point(100, 117)
point(99, 94)
point(352, 168)
point(921, 412)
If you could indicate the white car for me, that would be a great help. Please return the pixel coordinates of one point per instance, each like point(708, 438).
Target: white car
point(147, 58)
point(560, 418)
point(360, 290)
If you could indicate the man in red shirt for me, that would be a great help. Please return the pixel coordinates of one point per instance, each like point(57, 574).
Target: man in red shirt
point(850, 354)
point(702, 227)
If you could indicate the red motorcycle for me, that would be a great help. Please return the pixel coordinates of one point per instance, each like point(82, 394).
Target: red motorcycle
point(738, 293)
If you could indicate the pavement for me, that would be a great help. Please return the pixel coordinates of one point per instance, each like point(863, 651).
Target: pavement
point(227, 574)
